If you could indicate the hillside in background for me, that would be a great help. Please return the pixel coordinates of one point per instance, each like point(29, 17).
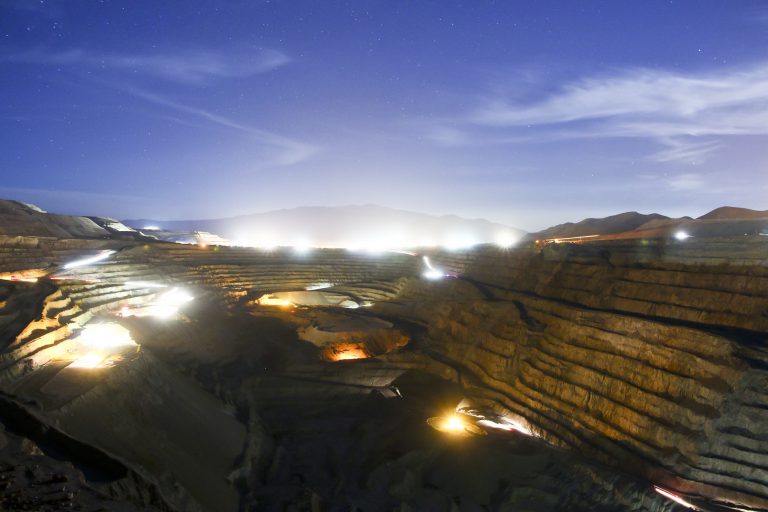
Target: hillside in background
point(363, 226)
point(608, 225)
point(723, 221)
point(731, 212)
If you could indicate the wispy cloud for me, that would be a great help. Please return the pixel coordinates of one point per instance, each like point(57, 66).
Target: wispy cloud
point(686, 181)
point(683, 150)
point(649, 102)
point(283, 150)
point(684, 112)
point(185, 66)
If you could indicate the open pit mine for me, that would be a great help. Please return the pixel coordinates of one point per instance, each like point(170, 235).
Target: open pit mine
point(602, 375)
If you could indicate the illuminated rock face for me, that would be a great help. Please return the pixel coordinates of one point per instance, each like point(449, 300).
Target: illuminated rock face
point(17, 218)
point(646, 357)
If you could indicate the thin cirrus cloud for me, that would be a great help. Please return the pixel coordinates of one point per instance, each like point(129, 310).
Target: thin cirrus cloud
point(683, 112)
point(283, 150)
point(678, 149)
point(686, 181)
point(184, 67)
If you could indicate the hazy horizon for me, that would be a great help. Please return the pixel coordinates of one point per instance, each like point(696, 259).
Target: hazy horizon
point(518, 227)
point(523, 114)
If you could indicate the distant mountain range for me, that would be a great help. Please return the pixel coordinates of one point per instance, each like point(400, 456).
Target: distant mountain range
point(723, 221)
point(608, 225)
point(367, 226)
point(733, 213)
point(374, 227)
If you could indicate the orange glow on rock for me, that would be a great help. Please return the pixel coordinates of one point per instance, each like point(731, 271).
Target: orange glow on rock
point(345, 352)
point(455, 425)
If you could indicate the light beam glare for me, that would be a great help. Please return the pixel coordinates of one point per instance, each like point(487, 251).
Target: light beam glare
point(431, 272)
point(675, 498)
point(89, 261)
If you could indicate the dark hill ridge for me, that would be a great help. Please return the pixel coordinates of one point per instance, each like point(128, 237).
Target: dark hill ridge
point(732, 212)
point(620, 223)
point(724, 221)
point(339, 226)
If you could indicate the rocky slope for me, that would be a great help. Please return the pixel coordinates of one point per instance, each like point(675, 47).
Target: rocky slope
point(652, 355)
point(646, 357)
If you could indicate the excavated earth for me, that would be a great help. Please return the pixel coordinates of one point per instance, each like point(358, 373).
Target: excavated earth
point(304, 382)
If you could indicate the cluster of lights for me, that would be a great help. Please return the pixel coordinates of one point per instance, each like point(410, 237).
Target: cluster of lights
point(391, 242)
point(567, 239)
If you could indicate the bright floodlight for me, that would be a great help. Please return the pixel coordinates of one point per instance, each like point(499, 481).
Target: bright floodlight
point(89, 261)
point(87, 361)
point(455, 425)
point(265, 243)
point(682, 235)
point(165, 305)
point(168, 304)
point(302, 247)
point(505, 240)
point(431, 272)
point(459, 242)
point(105, 336)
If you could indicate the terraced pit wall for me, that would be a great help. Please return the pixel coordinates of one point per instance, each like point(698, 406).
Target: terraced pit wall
point(46, 313)
point(651, 356)
point(647, 356)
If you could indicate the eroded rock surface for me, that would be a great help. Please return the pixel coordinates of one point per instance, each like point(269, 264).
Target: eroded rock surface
point(646, 362)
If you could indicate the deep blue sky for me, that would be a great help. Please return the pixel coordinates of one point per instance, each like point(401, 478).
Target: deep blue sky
point(528, 113)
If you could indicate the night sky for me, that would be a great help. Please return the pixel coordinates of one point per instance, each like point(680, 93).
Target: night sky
point(522, 112)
